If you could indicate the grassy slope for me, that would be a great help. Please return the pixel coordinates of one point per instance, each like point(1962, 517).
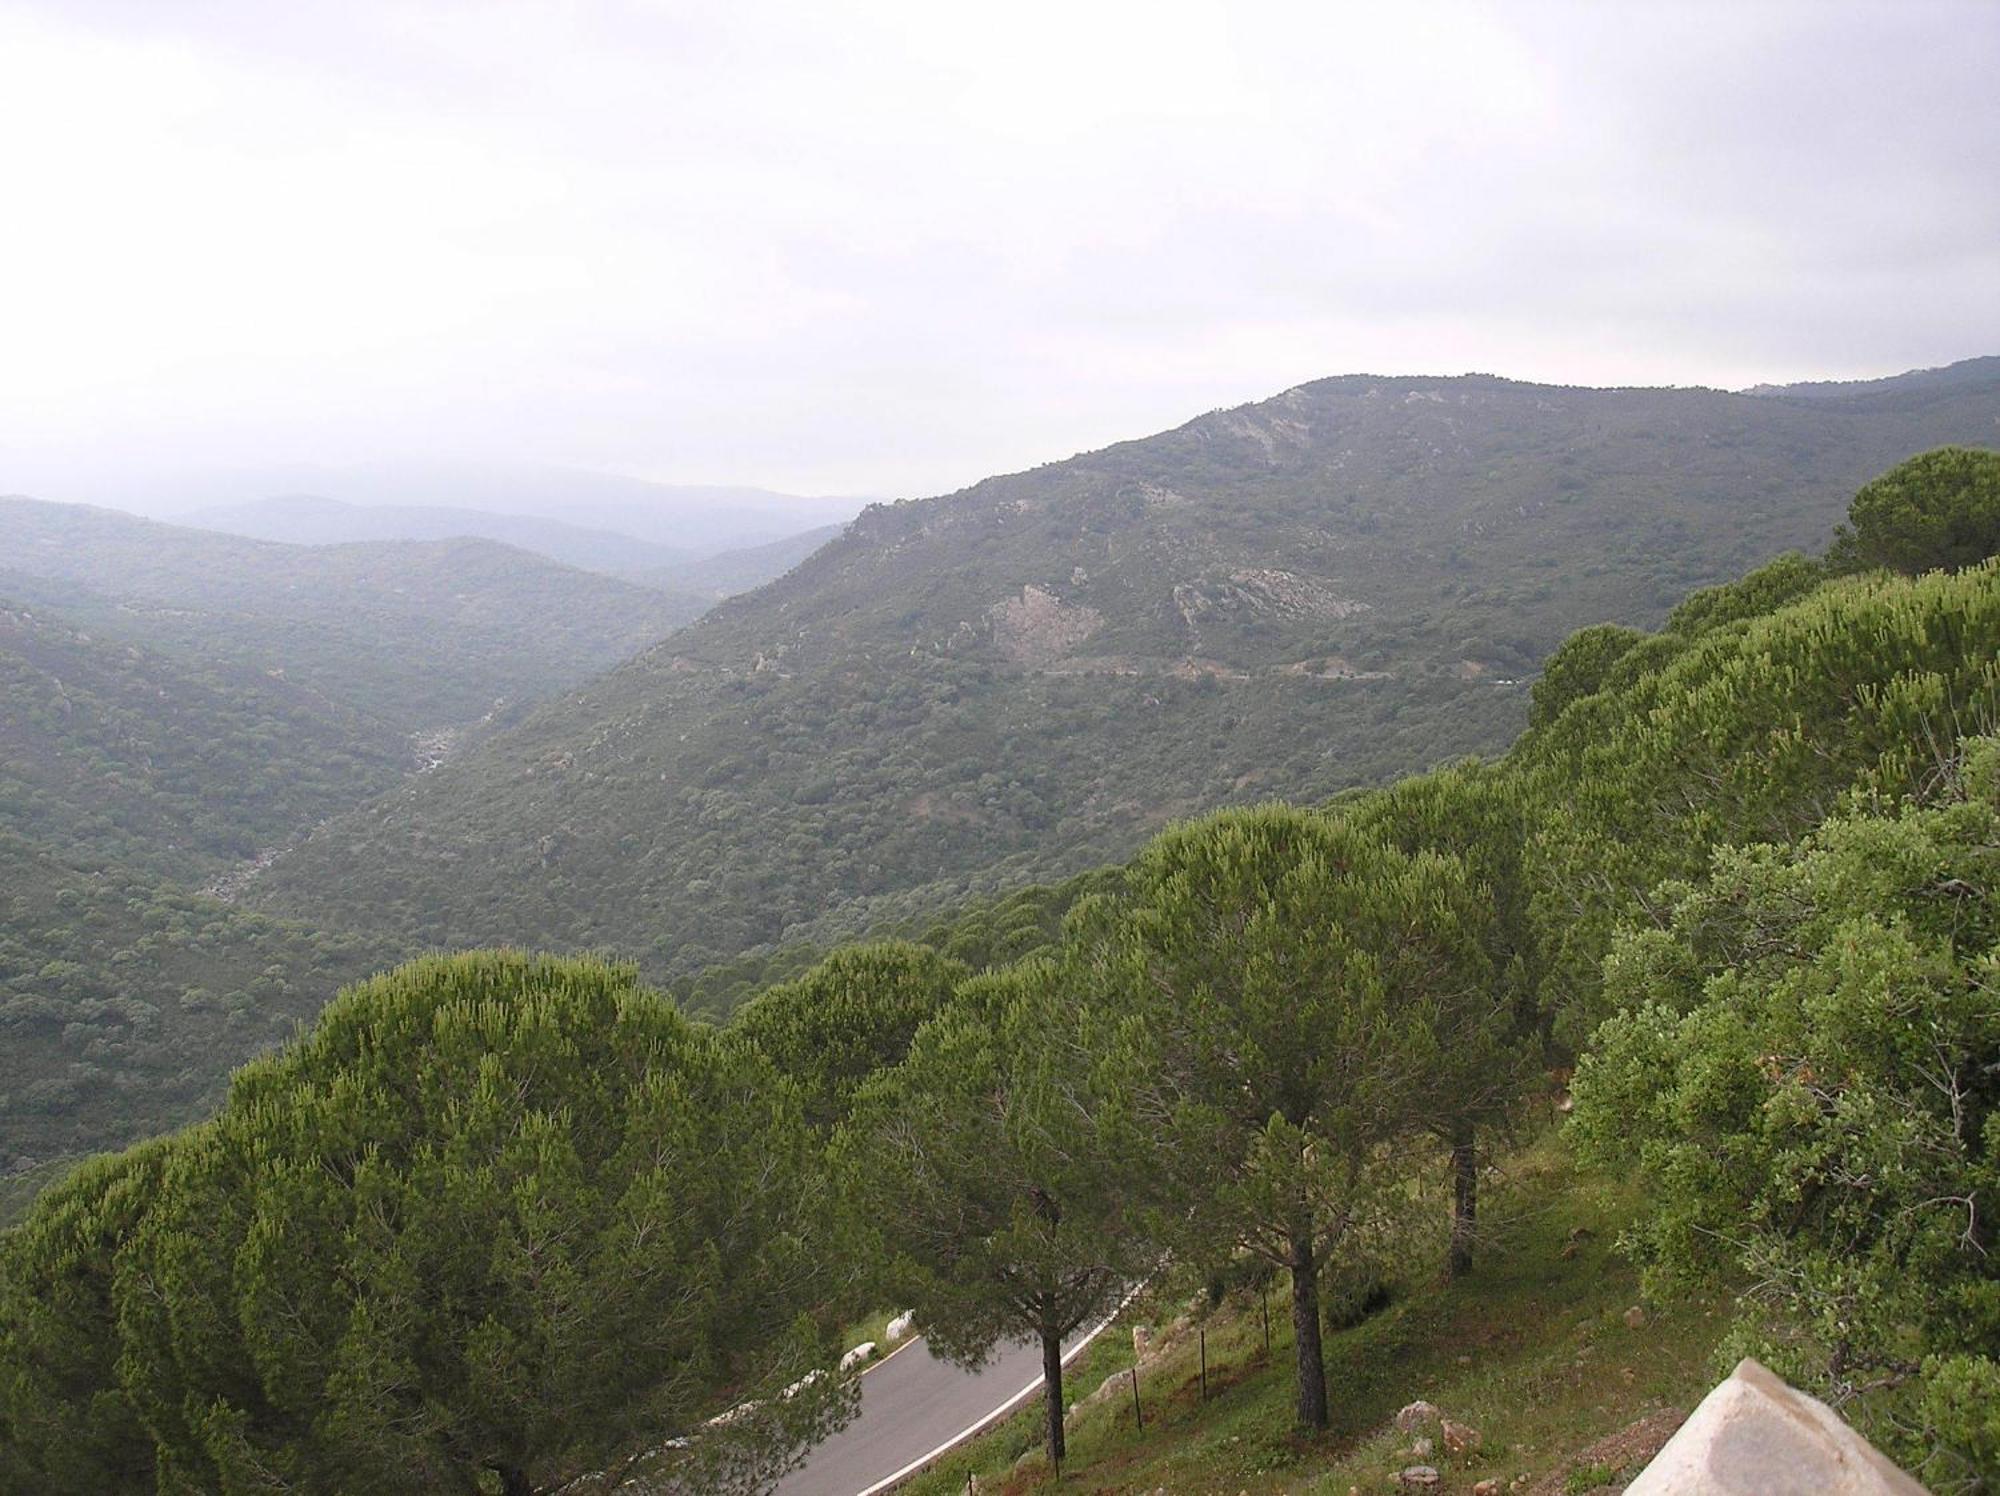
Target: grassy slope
point(1333, 587)
point(1533, 1351)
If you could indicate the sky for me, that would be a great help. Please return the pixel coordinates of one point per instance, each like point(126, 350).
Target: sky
point(888, 249)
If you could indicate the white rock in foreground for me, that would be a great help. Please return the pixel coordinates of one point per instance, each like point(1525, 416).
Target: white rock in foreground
point(1755, 1435)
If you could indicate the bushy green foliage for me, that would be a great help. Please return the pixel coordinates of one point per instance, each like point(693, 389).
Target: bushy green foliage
point(494, 1213)
point(1770, 587)
point(851, 1015)
point(1487, 1036)
point(1753, 731)
point(65, 1421)
point(981, 932)
point(1804, 1064)
point(1939, 509)
point(1578, 668)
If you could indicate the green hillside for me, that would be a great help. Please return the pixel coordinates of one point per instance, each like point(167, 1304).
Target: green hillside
point(116, 752)
point(125, 1001)
point(414, 634)
point(1344, 583)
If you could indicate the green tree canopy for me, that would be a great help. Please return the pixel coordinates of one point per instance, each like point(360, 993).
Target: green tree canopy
point(495, 1216)
point(1770, 587)
point(1487, 1034)
point(983, 1162)
point(1287, 972)
point(1939, 509)
point(1578, 668)
point(65, 1422)
point(851, 1015)
point(1807, 1077)
point(1750, 733)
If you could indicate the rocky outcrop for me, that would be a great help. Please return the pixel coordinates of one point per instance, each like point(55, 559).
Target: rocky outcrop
point(1756, 1436)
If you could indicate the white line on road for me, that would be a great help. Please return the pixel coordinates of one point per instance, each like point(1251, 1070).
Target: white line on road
point(998, 1413)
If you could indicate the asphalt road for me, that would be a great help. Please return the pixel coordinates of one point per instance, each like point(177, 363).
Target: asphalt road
point(910, 1405)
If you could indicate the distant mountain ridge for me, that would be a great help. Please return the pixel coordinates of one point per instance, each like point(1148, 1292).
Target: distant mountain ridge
point(1350, 580)
point(312, 519)
point(1971, 373)
point(409, 634)
point(731, 572)
point(697, 519)
point(696, 571)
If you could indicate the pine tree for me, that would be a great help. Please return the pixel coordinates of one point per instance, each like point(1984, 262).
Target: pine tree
point(983, 1162)
point(1285, 973)
point(495, 1214)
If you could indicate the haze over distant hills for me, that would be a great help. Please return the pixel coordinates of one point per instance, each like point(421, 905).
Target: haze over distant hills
point(411, 635)
point(729, 572)
point(693, 571)
point(310, 519)
point(690, 519)
point(1345, 582)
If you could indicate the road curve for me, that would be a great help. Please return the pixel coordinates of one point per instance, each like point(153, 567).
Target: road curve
point(914, 1405)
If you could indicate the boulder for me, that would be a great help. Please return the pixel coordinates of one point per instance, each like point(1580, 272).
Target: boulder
point(900, 1326)
point(1756, 1436)
point(1459, 1438)
point(1418, 1478)
point(1635, 1318)
point(1415, 1415)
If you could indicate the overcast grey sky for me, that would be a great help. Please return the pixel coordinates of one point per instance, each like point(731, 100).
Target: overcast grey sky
point(891, 248)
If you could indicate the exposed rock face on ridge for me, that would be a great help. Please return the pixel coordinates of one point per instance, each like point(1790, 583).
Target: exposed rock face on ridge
point(1754, 1435)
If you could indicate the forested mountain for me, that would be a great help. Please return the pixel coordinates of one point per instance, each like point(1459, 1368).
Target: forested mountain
point(415, 635)
point(1331, 587)
point(177, 704)
point(309, 519)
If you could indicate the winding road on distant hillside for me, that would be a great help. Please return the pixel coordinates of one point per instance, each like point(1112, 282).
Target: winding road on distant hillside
point(915, 1407)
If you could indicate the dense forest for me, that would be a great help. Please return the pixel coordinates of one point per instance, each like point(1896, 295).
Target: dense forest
point(180, 707)
point(513, 1223)
point(348, 740)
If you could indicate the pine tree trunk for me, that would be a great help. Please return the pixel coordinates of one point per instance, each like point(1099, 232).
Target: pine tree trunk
point(1053, 1390)
point(1305, 1329)
point(1465, 1201)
